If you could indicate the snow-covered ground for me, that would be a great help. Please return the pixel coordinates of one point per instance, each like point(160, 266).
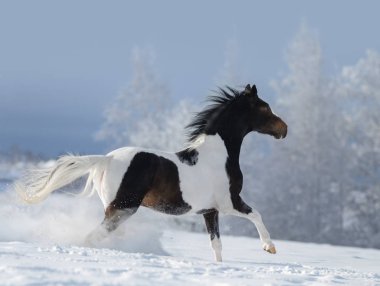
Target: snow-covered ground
point(188, 262)
point(42, 245)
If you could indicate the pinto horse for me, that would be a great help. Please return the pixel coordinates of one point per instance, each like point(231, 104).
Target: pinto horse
point(173, 183)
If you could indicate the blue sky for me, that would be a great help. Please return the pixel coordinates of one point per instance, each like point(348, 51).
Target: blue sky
point(62, 62)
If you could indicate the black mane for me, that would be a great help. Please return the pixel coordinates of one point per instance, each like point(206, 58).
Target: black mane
point(205, 120)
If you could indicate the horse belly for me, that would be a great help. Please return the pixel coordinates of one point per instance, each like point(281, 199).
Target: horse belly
point(167, 201)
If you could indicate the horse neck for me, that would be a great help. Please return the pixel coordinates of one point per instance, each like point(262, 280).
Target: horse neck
point(233, 146)
point(232, 136)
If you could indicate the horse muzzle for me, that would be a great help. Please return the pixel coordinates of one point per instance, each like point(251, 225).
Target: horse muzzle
point(282, 131)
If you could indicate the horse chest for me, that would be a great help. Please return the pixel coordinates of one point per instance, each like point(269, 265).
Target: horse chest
point(205, 185)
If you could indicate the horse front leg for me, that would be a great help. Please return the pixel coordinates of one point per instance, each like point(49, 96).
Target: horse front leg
point(212, 225)
point(241, 209)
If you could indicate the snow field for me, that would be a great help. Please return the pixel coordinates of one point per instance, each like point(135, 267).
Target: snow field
point(42, 245)
point(189, 263)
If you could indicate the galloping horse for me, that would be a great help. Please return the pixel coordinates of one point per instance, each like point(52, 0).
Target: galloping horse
point(173, 183)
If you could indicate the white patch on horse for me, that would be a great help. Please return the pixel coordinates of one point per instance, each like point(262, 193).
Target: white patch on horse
point(205, 185)
point(216, 245)
point(113, 175)
point(198, 141)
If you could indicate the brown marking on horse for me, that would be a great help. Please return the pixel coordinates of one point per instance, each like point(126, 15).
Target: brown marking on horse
point(165, 194)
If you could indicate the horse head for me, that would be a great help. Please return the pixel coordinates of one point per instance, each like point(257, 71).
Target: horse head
point(258, 116)
point(235, 114)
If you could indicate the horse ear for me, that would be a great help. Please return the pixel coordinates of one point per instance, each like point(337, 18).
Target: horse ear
point(254, 90)
point(247, 89)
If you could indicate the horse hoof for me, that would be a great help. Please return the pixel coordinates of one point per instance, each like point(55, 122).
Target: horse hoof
point(270, 248)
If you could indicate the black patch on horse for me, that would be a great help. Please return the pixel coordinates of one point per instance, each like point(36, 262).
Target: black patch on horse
point(188, 156)
point(151, 181)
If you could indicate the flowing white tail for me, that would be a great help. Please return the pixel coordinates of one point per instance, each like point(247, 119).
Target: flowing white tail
point(39, 183)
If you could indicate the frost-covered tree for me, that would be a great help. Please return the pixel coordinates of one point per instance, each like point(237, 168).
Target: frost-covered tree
point(324, 179)
point(230, 73)
point(144, 96)
point(165, 131)
point(360, 88)
point(307, 164)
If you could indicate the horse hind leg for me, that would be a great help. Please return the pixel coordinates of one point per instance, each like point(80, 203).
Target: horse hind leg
point(136, 183)
point(113, 218)
point(212, 225)
point(125, 205)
